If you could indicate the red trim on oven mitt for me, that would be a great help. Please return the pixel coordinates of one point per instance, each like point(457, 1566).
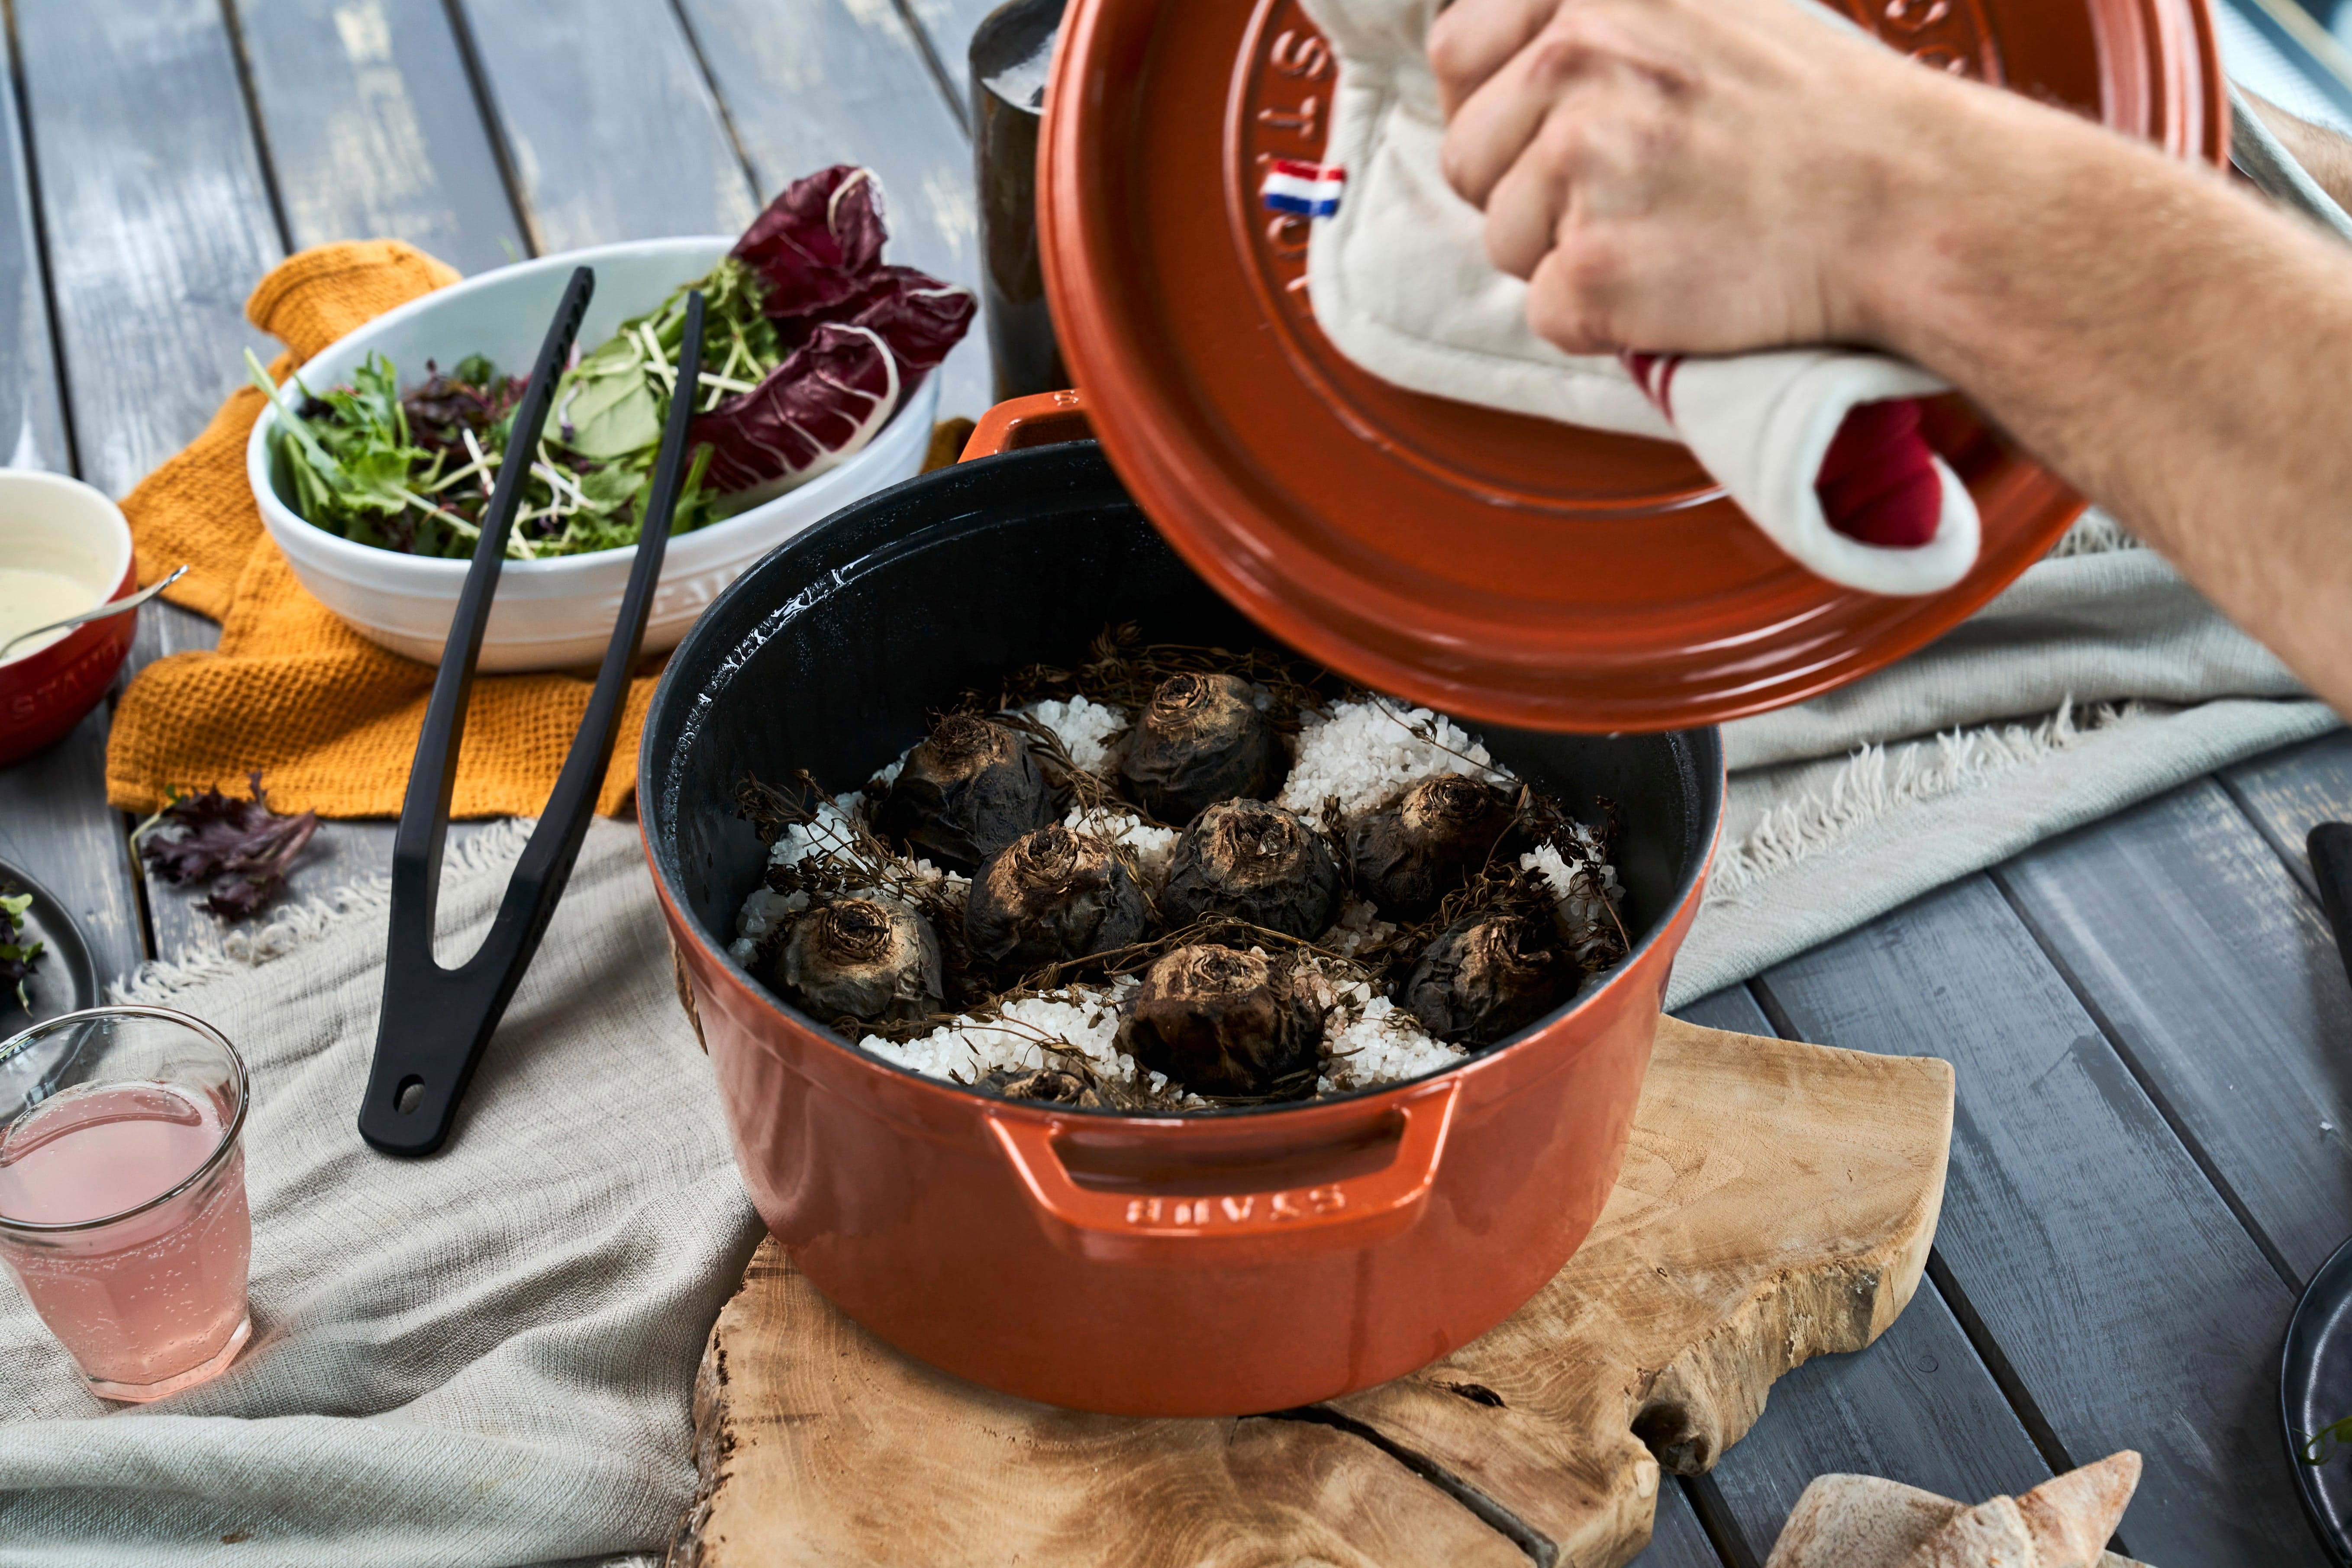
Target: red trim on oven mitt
point(1878, 481)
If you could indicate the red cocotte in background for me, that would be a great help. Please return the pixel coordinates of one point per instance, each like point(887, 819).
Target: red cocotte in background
point(53, 523)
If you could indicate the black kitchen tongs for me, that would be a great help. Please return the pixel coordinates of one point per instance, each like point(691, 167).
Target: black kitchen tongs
point(435, 1021)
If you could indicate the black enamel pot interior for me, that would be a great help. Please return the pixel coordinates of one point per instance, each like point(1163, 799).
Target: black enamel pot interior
point(834, 652)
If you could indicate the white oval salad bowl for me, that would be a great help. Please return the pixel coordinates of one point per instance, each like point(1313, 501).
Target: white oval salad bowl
point(550, 615)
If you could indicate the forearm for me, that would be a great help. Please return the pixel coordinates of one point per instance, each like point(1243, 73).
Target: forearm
point(1709, 178)
point(2325, 156)
point(2176, 349)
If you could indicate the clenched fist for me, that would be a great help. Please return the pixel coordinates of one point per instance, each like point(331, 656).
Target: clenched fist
point(1702, 176)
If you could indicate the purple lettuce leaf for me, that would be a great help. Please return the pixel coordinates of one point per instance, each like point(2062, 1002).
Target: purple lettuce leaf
point(838, 389)
point(241, 846)
point(818, 242)
point(888, 296)
point(918, 316)
point(823, 403)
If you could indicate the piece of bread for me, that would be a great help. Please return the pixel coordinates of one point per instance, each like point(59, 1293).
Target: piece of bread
point(2072, 1516)
point(1863, 1522)
point(1859, 1521)
point(1993, 1534)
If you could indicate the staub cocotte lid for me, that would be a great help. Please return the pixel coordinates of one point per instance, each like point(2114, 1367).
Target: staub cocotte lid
point(1506, 569)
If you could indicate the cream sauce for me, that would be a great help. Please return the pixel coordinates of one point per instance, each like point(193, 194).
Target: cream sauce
point(31, 597)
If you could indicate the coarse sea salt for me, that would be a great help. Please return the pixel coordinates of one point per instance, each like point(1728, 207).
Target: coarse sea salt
point(1590, 918)
point(1383, 1044)
point(1085, 729)
point(1153, 846)
point(1360, 926)
point(834, 831)
point(1084, 1018)
point(1365, 753)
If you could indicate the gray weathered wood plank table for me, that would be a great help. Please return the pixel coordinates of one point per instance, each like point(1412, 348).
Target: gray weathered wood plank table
point(2152, 1029)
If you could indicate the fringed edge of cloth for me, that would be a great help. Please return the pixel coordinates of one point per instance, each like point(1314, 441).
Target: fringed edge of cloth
point(491, 851)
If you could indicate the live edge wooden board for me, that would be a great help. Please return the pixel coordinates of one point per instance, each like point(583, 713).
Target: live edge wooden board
point(1777, 1204)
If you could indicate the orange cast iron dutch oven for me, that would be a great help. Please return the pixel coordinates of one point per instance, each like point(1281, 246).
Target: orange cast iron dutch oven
point(1528, 577)
point(1215, 1265)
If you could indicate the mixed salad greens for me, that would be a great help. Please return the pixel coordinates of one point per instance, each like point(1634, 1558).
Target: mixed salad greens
point(810, 344)
point(17, 956)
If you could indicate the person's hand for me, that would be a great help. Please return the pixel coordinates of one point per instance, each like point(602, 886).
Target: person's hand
point(1717, 175)
point(1701, 175)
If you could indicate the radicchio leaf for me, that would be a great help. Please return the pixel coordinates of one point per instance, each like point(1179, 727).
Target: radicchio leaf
point(241, 846)
point(816, 243)
point(473, 397)
point(922, 317)
point(837, 390)
point(823, 404)
point(918, 316)
point(859, 336)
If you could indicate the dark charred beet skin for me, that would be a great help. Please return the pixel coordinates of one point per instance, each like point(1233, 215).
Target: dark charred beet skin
point(1409, 855)
point(1221, 1022)
point(1488, 976)
point(965, 794)
point(1046, 1086)
point(1049, 895)
point(1256, 863)
point(871, 958)
point(1200, 740)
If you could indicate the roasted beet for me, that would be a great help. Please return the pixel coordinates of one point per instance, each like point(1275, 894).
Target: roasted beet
point(1222, 1022)
point(1488, 976)
point(1412, 855)
point(965, 794)
point(1047, 1086)
point(1051, 895)
point(1200, 740)
point(870, 958)
point(1256, 863)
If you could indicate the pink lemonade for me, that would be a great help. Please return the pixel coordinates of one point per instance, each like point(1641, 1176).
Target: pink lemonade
point(152, 1303)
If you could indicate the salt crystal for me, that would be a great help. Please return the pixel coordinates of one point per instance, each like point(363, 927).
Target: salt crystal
point(1085, 730)
point(1153, 846)
point(1360, 755)
point(1385, 1043)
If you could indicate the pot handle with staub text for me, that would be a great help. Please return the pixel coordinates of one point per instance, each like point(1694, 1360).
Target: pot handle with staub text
point(1151, 1224)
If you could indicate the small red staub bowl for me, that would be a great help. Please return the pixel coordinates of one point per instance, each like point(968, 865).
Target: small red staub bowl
point(64, 548)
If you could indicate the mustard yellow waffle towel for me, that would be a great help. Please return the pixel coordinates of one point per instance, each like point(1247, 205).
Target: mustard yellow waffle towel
point(328, 719)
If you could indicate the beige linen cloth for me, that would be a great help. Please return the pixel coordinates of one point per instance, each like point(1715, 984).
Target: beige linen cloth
point(483, 1358)
point(2097, 680)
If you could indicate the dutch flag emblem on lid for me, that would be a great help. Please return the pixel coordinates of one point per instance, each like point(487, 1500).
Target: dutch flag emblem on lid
point(1312, 190)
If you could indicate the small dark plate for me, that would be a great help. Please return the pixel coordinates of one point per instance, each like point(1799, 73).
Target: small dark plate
point(2316, 1392)
point(64, 979)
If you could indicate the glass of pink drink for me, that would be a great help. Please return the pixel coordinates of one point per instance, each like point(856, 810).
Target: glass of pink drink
point(122, 1208)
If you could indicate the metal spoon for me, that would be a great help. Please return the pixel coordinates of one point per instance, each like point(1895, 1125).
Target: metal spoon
point(112, 607)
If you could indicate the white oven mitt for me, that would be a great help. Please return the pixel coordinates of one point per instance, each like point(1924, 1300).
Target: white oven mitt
point(1398, 273)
